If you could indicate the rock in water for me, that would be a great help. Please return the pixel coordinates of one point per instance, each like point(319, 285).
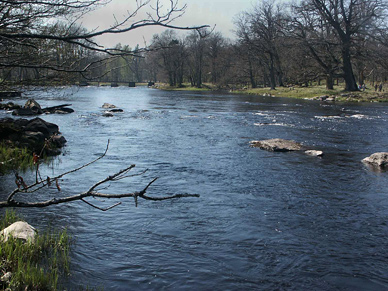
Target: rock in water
point(34, 106)
point(314, 153)
point(277, 145)
point(20, 230)
point(378, 159)
point(108, 106)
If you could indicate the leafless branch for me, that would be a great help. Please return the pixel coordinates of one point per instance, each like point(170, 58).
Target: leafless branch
point(40, 184)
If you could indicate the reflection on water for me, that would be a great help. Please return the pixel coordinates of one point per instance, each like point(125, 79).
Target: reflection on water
point(264, 220)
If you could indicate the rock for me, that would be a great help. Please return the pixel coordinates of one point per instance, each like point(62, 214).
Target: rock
point(116, 110)
point(277, 145)
point(6, 277)
point(59, 140)
point(323, 98)
point(330, 98)
point(23, 112)
point(108, 114)
point(20, 230)
point(378, 159)
point(9, 106)
point(314, 153)
point(31, 134)
point(64, 111)
point(38, 124)
point(107, 106)
point(34, 106)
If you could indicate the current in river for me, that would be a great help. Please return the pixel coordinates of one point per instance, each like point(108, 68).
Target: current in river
point(264, 220)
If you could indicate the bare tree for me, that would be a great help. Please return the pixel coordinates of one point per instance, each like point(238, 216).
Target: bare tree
point(262, 31)
point(349, 19)
point(23, 194)
point(30, 32)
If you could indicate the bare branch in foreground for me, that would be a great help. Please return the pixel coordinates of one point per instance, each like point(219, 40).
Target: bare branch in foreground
point(93, 191)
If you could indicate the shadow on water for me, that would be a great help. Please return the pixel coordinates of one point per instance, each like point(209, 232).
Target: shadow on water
point(264, 220)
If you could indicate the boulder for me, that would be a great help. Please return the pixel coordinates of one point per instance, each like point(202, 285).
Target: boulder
point(59, 140)
point(34, 106)
point(108, 106)
point(38, 124)
point(377, 159)
point(23, 112)
point(314, 153)
point(31, 134)
point(9, 106)
point(108, 114)
point(19, 230)
point(277, 145)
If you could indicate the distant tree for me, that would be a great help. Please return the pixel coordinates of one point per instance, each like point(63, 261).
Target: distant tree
point(43, 30)
point(262, 31)
point(317, 39)
point(349, 20)
point(170, 55)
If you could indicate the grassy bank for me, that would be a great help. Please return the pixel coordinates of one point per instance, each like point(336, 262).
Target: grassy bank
point(186, 87)
point(312, 92)
point(33, 266)
point(315, 92)
point(14, 158)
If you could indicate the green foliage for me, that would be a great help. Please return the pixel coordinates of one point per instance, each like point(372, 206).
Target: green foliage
point(14, 158)
point(37, 265)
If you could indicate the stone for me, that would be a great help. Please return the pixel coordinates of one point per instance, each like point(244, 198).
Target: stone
point(277, 145)
point(108, 114)
point(23, 112)
point(314, 153)
point(108, 106)
point(59, 140)
point(34, 106)
point(38, 124)
point(378, 159)
point(6, 277)
point(20, 230)
point(116, 110)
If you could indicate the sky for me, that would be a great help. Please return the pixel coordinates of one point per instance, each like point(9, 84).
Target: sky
point(198, 12)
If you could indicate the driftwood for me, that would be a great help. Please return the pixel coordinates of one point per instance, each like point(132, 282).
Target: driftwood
point(93, 191)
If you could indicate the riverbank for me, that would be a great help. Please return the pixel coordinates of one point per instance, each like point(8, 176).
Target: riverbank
point(33, 265)
point(313, 92)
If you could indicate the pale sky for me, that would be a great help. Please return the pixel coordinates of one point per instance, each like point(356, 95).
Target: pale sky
point(198, 12)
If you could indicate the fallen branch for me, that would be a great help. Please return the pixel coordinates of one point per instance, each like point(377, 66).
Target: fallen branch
point(93, 191)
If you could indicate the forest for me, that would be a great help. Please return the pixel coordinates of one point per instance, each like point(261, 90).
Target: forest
point(276, 44)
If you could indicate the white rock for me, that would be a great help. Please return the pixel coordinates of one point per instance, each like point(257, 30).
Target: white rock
point(19, 229)
point(314, 153)
point(379, 159)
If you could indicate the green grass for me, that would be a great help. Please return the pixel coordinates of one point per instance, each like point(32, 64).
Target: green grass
point(37, 265)
point(317, 91)
point(186, 87)
point(14, 158)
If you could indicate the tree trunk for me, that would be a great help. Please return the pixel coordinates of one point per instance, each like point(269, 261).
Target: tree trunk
point(272, 73)
point(350, 81)
point(329, 82)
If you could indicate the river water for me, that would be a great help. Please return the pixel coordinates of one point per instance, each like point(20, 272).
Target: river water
point(264, 221)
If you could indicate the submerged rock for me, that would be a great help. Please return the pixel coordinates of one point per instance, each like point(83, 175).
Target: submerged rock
point(277, 145)
point(20, 230)
point(377, 159)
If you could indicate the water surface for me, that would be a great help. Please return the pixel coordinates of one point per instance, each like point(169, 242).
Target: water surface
point(265, 220)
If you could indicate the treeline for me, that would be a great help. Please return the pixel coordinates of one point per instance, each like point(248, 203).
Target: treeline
point(283, 44)
point(277, 44)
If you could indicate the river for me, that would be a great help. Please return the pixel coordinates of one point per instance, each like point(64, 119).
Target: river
point(264, 220)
